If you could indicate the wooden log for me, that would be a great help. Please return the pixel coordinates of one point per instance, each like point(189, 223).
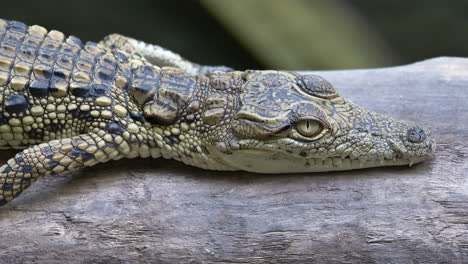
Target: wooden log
point(159, 211)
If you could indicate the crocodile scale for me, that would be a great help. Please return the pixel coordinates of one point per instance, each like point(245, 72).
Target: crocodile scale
point(66, 105)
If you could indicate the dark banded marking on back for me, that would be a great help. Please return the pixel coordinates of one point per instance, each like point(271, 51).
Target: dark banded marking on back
point(63, 66)
point(35, 38)
point(44, 65)
point(39, 88)
point(36, 64)
point(16, 103)
point(85, 83)
point(96, 88)
point(25, 58)
point(12, 38)
point(104, 74)
point(145, 83)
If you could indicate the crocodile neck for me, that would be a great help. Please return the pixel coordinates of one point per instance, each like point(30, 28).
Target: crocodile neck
point(183, 115)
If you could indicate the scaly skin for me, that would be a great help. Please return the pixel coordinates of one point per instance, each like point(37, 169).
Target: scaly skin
point(70, 105)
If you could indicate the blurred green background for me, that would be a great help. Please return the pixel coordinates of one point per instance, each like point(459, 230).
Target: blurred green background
point(274, 34)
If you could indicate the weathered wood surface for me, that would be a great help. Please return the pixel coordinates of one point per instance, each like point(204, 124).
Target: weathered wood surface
point(159, 211)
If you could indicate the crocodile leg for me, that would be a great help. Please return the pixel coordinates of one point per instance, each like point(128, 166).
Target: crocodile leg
point(157, 55)
point(52, 158)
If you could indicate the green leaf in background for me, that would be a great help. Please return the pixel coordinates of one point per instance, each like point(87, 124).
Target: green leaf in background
point(301, 34)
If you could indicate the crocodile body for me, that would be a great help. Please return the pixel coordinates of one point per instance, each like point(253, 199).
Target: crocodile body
point(67, 105)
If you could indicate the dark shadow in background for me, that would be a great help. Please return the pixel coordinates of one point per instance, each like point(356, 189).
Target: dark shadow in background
point(182, 26)
point(420, 29)
point(415, 30)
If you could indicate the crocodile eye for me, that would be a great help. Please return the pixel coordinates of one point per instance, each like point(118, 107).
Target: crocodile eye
point(309, 128)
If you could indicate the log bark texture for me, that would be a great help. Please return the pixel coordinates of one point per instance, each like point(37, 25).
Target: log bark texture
point(160, 211)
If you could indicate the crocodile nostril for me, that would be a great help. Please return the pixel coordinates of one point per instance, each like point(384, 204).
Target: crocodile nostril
point(416, 135)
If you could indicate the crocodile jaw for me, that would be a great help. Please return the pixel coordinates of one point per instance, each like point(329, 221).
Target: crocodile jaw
point(265, 161)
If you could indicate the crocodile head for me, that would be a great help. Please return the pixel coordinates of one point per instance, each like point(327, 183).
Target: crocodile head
point(288, 122)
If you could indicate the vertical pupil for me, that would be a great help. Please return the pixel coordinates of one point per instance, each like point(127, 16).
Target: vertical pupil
point(307, 124)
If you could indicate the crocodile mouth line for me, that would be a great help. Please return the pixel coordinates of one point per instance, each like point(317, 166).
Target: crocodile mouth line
point(347, 163)
point(268, 161)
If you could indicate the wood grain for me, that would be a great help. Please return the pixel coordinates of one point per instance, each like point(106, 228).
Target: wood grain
point(159, 211)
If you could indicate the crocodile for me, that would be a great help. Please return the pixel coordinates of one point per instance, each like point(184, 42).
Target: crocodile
point(66, 105)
